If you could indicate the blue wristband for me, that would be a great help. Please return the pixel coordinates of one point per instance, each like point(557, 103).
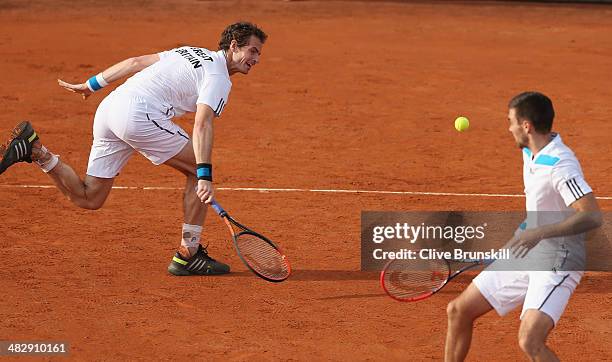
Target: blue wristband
point(93, 84)
point(96, 82)
point(204, 171)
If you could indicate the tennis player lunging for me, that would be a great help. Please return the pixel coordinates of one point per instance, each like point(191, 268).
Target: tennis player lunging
point(137, 116)
point(554, 188)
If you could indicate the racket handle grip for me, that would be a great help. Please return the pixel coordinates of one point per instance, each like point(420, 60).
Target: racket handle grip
point(218, 209)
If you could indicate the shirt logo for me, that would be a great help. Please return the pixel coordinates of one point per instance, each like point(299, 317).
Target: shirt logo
point(196, 58)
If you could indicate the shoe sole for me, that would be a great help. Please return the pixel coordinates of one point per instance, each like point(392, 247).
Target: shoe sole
point(179, 271)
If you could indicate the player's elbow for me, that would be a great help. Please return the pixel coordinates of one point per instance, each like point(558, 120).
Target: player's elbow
point(592, 219)
point(203, 123)
point(137, 64)
point(596, 219)
point(132, 64)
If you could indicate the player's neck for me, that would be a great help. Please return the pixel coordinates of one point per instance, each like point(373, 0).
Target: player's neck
point(538, 141)
point(231, 70)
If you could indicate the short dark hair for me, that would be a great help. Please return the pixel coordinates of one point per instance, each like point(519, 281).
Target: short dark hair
point(536, 108)
point(241, 32)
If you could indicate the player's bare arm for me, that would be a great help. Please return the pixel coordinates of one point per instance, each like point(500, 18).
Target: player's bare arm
point(117, 71)
point(587, 217)
point(202, 147)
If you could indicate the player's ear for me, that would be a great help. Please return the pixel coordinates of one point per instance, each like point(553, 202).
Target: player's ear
point(233, 46)
point(528, 126)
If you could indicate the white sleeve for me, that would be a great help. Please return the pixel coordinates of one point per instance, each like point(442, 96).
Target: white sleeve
point(215, 92)
point(568, 180)
point(165, 53)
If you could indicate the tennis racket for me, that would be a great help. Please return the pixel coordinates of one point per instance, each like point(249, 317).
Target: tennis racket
point(409, 280)
point(257, 252)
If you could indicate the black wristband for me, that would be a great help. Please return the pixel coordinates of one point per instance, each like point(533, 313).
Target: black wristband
point(204, 171)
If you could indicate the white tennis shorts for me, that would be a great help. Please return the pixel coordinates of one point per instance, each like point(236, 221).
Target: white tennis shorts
point(125, 122)
point(546, 291)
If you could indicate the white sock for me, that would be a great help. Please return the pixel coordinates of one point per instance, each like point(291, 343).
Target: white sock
point(50, 163)
point(191, 236)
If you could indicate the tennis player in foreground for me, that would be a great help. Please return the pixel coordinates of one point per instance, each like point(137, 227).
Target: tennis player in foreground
point(137, 116)
point(554, 185)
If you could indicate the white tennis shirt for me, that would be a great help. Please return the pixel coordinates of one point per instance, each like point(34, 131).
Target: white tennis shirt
point(553, 177)
point(553, 181)
point(181, 79)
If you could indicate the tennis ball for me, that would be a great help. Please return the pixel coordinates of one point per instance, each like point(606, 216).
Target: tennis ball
point(462, 124)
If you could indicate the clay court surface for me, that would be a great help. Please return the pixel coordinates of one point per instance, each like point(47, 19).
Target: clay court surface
point(348, 95)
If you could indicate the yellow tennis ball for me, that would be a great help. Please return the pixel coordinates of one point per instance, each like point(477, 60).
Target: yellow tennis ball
point(462, 124)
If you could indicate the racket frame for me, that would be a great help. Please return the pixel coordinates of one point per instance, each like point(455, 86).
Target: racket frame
point(473, 263)
point(229, 221)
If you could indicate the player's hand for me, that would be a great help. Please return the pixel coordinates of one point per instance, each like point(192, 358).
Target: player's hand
point(81, 89)
point(205, 191)
point(524, 241)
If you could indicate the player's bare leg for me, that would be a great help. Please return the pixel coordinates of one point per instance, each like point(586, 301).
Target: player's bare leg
point(535, 328)
point(90, 193)
point(462, 312)
point(192, 258)
point(194, 210)
point(25, 146)
point(184, 161)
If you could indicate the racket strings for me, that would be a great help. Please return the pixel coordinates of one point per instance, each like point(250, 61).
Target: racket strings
point(409, 279)
point(264, 258)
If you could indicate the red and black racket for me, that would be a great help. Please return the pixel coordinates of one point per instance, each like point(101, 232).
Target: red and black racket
point(411, 280)
point(258, 253)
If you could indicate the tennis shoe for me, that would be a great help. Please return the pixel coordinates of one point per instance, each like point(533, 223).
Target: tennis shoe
point(19, 148)
point(199, 263)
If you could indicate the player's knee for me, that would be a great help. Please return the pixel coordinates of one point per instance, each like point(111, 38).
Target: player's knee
point(530, 345)
point(457, 310)
point(88, 204)
point(94, 205)
point(454, 310)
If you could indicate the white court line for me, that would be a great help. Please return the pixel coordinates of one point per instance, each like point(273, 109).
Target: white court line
point(264, 189)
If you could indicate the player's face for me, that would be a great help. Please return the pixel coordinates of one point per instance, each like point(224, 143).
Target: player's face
point(247, 56)
point(516, 128)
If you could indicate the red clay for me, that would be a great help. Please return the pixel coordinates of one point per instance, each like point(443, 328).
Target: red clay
point(348, 95)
